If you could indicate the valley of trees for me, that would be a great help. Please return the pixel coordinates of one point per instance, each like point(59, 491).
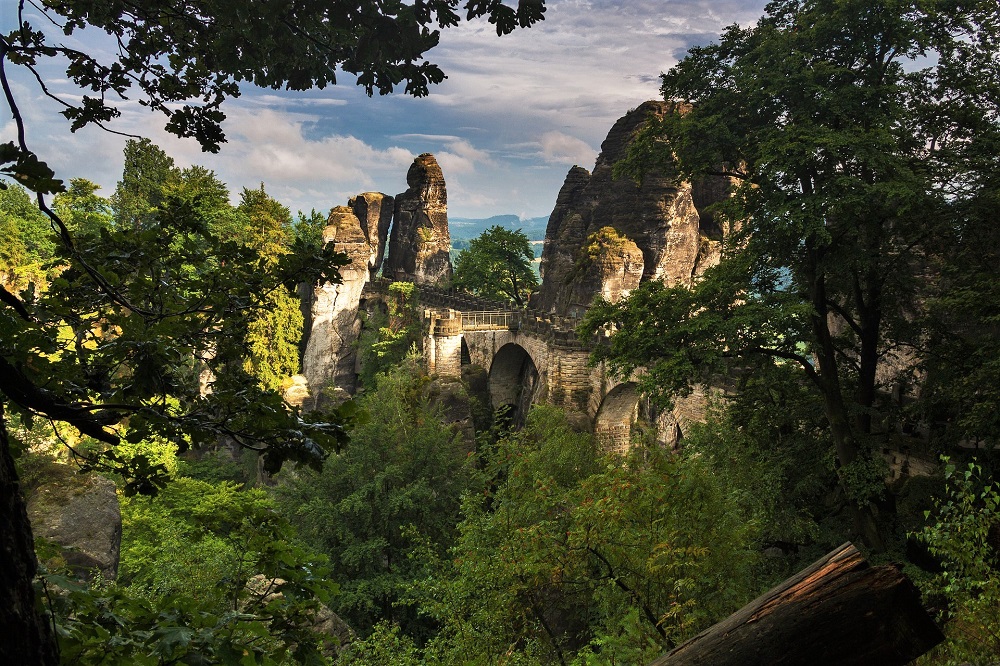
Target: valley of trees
point(854, 311)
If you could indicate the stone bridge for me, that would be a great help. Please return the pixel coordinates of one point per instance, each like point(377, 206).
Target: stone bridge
point(532, 357)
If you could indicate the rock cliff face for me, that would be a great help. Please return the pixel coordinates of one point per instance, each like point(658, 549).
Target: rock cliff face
point(419, 242)
point(419, 251)
point(374, 210)
point(333, 323)
point(600, 227)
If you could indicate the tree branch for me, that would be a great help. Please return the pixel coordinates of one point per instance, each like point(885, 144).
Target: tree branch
point(22, 391)
point(634, 595)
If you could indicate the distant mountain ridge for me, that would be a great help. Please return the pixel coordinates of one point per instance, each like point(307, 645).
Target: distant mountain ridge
point(465, 228)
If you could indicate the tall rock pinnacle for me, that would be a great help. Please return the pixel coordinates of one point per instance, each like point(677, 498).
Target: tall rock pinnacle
point(419, 242)
point(333, 325)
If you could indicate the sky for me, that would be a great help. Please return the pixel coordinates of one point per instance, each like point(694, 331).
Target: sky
point(514, 115)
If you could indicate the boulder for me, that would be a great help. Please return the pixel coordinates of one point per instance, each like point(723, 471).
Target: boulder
point(334, 632)
point(420, 243)
point(79, 513)
point(296, 393)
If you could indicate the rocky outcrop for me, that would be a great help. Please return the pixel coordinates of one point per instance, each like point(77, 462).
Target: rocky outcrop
point(374, 210)
point(665, 219)
point(609, 265)
point(333, 632)
point(329, 358)
point(420, 244)
point(80, 514)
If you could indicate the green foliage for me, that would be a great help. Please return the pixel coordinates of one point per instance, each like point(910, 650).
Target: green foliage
point(199, 540)
point(398, 483)
point(146, 311)
point(159, 314)
point(845, 151)
point(966, 521)
point(26, 241)
point(387, 646)
point(208, 574)
point(272, 340)
point(310, 227)
point(963, 372)
point(388, 338)
point(563, 552)
point(264, 225)
point(497, 265)
point(141, 191)
point(214, 467)
point(82, 209)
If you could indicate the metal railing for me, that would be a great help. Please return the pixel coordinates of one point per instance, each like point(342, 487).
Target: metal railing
point(489, 320)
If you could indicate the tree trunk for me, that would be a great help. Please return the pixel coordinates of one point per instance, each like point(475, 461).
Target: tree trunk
point(25, 635)
point(839, 611)
point(844, 438)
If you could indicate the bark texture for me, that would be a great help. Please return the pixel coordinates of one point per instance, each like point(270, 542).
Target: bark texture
point(838, 611)
point(25, 635)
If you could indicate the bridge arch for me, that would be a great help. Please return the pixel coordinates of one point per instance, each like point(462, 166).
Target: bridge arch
point(464, 351)
point(513, 381)
point(615, 417)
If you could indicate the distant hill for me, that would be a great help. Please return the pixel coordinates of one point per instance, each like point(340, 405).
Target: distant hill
point(465, 228)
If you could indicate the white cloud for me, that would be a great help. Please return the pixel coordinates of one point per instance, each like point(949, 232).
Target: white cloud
point(514, 114)
point(559, 148)
point(272, 145)
point(461, 157)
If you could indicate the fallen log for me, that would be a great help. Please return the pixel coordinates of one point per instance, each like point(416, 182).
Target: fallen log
point(838, 611)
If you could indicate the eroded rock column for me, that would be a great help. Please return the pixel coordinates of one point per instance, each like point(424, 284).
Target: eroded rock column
point(420, 243)
point(329, 359)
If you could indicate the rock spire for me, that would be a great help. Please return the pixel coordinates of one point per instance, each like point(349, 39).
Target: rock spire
point(419, 243)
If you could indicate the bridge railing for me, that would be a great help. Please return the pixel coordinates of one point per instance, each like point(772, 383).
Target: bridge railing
point(489, 320)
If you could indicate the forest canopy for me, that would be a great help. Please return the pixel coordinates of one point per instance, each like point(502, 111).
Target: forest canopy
point(136, 310)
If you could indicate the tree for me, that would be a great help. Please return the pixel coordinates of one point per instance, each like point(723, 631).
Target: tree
point(854, 132)
point(561, 551)
point(397, 485)
point(961, 532)
point(272, 337)
point(140, 192)
point(182, 58)
point(26, 244)
point(84, 211)
point(497, 265)
point(132, 349)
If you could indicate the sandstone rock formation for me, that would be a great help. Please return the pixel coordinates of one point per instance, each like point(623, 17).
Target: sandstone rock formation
point(374, 210)
point(663, 218)
point(79, 513)
point(609, 265)
point(333, 324)
point(419, 243)
point(333, 631)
